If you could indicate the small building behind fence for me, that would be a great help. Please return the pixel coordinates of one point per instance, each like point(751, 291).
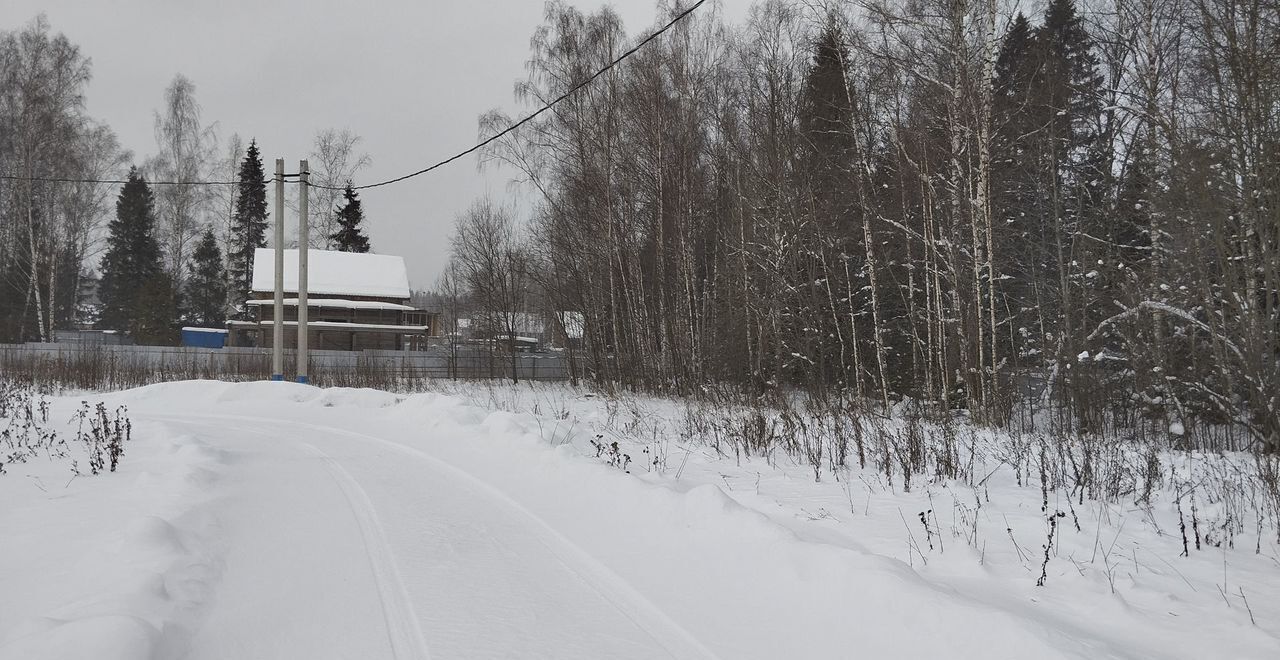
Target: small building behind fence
point(91, 337)
point(204, 337)
point(355, 302)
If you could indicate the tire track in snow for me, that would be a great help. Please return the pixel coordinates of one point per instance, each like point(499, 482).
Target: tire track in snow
point(403, 632)
point(407, 642)
point(610, 586)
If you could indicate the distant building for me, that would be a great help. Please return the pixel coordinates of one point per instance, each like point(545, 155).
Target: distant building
point(205, 337)
point(532, 330)
point(88, 304)
point(91, 337)
point(354, 302)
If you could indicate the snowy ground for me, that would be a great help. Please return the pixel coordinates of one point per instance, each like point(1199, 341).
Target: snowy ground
point(272, 520)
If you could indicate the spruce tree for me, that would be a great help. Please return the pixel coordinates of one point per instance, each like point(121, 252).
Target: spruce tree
point(826, 118)
point(1014, 184)
point(1067, 87)
point(1018, 189)
point(826, 189)
point(1049, 173)
point(68, 300)
point(155, 309)
point(248, 225)
point(1068, 92)
point(350, 235)
point(1016, 67)
point(1129, 232)
point(205, 296)
point(133, 255)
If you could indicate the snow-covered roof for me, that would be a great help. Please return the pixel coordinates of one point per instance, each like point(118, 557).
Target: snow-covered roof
point(518, 338)
point(335, 273)
point(221, 331)
point(334, 303)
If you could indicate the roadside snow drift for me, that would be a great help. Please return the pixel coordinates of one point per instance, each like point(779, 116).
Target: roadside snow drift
point(273, 520)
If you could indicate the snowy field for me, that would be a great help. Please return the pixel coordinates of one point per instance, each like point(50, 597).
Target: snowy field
point(273, 520)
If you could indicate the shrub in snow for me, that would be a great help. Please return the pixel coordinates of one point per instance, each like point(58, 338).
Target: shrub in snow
point(27, 433)
point(611, 453)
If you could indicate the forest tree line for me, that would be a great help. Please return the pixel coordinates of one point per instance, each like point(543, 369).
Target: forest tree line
point(163, 255)
point(943, 200)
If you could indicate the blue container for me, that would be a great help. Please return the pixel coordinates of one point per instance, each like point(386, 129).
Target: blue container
point(204, 337)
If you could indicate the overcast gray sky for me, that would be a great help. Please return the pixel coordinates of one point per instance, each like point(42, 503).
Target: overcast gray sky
point(410, 76)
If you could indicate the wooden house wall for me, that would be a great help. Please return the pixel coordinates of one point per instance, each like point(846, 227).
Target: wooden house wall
point(330, 338)
point(337, 339)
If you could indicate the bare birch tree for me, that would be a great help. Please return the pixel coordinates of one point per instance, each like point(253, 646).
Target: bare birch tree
point(185, 152)
point(47, 226)
point(335, 161)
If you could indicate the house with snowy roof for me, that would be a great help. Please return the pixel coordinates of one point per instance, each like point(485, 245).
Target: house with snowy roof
point(354, 302)
point(548, 329)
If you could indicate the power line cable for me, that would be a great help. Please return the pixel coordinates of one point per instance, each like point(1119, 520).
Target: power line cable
point(44, 179)
point(679, 17)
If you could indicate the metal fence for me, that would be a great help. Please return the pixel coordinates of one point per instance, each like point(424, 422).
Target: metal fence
point(82, 365)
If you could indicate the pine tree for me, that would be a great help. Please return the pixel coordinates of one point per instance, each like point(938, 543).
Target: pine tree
point(350, 235)
point(133, 255)
point(206, 286)
point(248, 225)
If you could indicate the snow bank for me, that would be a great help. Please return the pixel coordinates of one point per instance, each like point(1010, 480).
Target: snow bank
point(855, 545)
point(715, 556)
point(119, 565)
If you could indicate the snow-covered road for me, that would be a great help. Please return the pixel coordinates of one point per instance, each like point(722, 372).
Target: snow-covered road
point(271, 520)
point(374, 549)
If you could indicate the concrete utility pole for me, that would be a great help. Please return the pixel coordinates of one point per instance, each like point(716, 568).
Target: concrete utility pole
point(303, 249)
point(277, 343)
